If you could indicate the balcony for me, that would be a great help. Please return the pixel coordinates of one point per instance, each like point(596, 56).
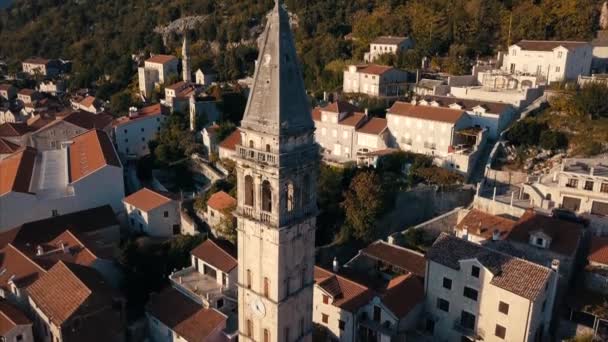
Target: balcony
point(270, 218)
point(257, 156)
point(200, 287)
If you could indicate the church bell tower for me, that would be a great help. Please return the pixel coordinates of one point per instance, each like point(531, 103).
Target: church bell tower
point(277, 164)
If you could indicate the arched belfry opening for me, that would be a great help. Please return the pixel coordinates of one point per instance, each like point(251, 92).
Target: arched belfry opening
point(266, 196)
point(249, 191)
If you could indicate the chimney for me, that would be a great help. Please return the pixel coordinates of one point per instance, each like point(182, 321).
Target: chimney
point(325, 96)
point(366, 112)
point(64, 247)
point(336, 265)
point(555, 265)
point(496, 235)
point(39, 250)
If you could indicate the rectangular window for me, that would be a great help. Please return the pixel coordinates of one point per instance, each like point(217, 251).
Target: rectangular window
point(287, 334)
point(503, 308)
point(324, 318)
point(604, 187)
point(559, 54)
point(447, 283)
point(325, 299)
point(475, 271)
point(470, 293)
point(166, 214)
point(572, 183)
point(248, 279)
point(467, 320)
point(377, 313)
point(589, 185)
point(443, 305)
point(266, 287)
point(249, 328)
point(341, 325)
point(500, 331)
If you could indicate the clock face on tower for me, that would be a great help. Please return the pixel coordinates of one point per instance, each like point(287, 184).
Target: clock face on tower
point(258, 308)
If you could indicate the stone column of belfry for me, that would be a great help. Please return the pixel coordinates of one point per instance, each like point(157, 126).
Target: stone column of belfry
point(277, 165)
point(186, 74)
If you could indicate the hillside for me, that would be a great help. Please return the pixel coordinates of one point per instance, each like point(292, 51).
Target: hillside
point(101, 36)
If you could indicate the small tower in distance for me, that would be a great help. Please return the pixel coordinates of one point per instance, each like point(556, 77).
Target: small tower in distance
point(186, 74)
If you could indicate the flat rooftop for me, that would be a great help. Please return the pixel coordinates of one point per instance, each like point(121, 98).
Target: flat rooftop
point(50, 177)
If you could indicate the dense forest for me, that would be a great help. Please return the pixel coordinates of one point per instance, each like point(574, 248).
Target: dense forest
point(101, 36)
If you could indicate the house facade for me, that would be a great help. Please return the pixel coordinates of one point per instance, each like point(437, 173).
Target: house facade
point(14, 324)
point(387, 45)
point(41, 66)
point(219, 210)
point(554, 61)
point(8, 92)
point(132, 133)
point(153, 213)
point(156, 70)
point(374, 80)
point(476, 293)
point(205, 78)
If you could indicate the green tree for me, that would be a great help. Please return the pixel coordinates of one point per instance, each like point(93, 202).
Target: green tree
point(363, 203)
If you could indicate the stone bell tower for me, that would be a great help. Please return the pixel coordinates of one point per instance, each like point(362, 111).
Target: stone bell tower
point(277, 164)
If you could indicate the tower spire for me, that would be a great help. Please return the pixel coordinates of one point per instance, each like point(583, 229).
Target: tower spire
point(186, 74)
point(278, 103)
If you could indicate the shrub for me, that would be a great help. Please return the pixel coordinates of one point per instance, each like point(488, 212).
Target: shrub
point(552, 140)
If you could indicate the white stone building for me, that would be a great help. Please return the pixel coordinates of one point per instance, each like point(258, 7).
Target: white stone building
point(374, 80)
point(7, 92)
point(227, 148)
point(445, 134)
point(27, 96)
point(473, 293)
point(153, 213)
point(209, 138)
point(88, 104)
point(52, 87)
point(579, 185)
point(41, 66)
point(387, 45)
point(84, 174)
point(554, 61)
point(493, 116)
point(205, 78)
point(156, 70)
point(14, 324)
point(132, 133)
point(219, 210)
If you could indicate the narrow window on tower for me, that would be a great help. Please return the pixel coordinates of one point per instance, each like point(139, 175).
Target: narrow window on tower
point(266, 287)
point(266, 335)
point(249, 196)
point(266, 196)
point(249, 328)
point(250, 143)
point(290, 198)
point(248, 279)
point(267, 147)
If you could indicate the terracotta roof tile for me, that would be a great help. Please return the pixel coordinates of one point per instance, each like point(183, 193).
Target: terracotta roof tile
point(17, 170)
point(88, 120)
point(353, 120)
point(10, 317)
point(27, 92)
point(68, 288)
point(373, 126)
point(403, 293)
point(161, 59)
point(36, 60)
point(184, 316)
point(483, 224)
point(388, 40)
point(426, 112)
point(598, 251)
point(316, 114)
point(9, 129)
point(397, 256)
point(5, 87)
point(221, 201)
point(89, 152)
point(217, 253)
point(375, 69)
point(145, 112)
point(147, 199)
point(518, 276)
point(7, 147)
point(346, 293)
point(467, 104)
point(548, 45)
point(340, 107)
point(565, 236)
point(18, 268)
point(231, 141)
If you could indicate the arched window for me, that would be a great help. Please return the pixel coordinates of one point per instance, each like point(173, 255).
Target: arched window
point(267, 147)
point(266, 196)
point(249, 194)
point(306, 190)
point(289, 197)
point(266, 335)
point(266, 287)
point(250, 143)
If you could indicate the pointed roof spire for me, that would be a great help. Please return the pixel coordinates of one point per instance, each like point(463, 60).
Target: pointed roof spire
point(278, 103)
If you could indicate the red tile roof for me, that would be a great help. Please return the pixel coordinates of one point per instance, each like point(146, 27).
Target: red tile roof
point(373, 126)
point(403, 294)
point(5, 87)
point(389, 40)
point(374, 69)
point(218, 253)
point(340, 107)
point(598, 252)
point(18, 268)
point(161, 59)
point(231, 141)
point(483, 224)
point(426, 112)
point(184, 316)
point(10, 317)
point(7, 147)
point(565, 236)
point(27, 92)
point(88, 120)
point(36, 60)
point(346, 293)
point(548, 45)
point(353, 120)
point(221, 201)
point(17, 170)
point(316, 114)
point(147, 199)
point(9, 129)
point(405, 259)
point(145, 112)
point(68, 288)
point(89, 152)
